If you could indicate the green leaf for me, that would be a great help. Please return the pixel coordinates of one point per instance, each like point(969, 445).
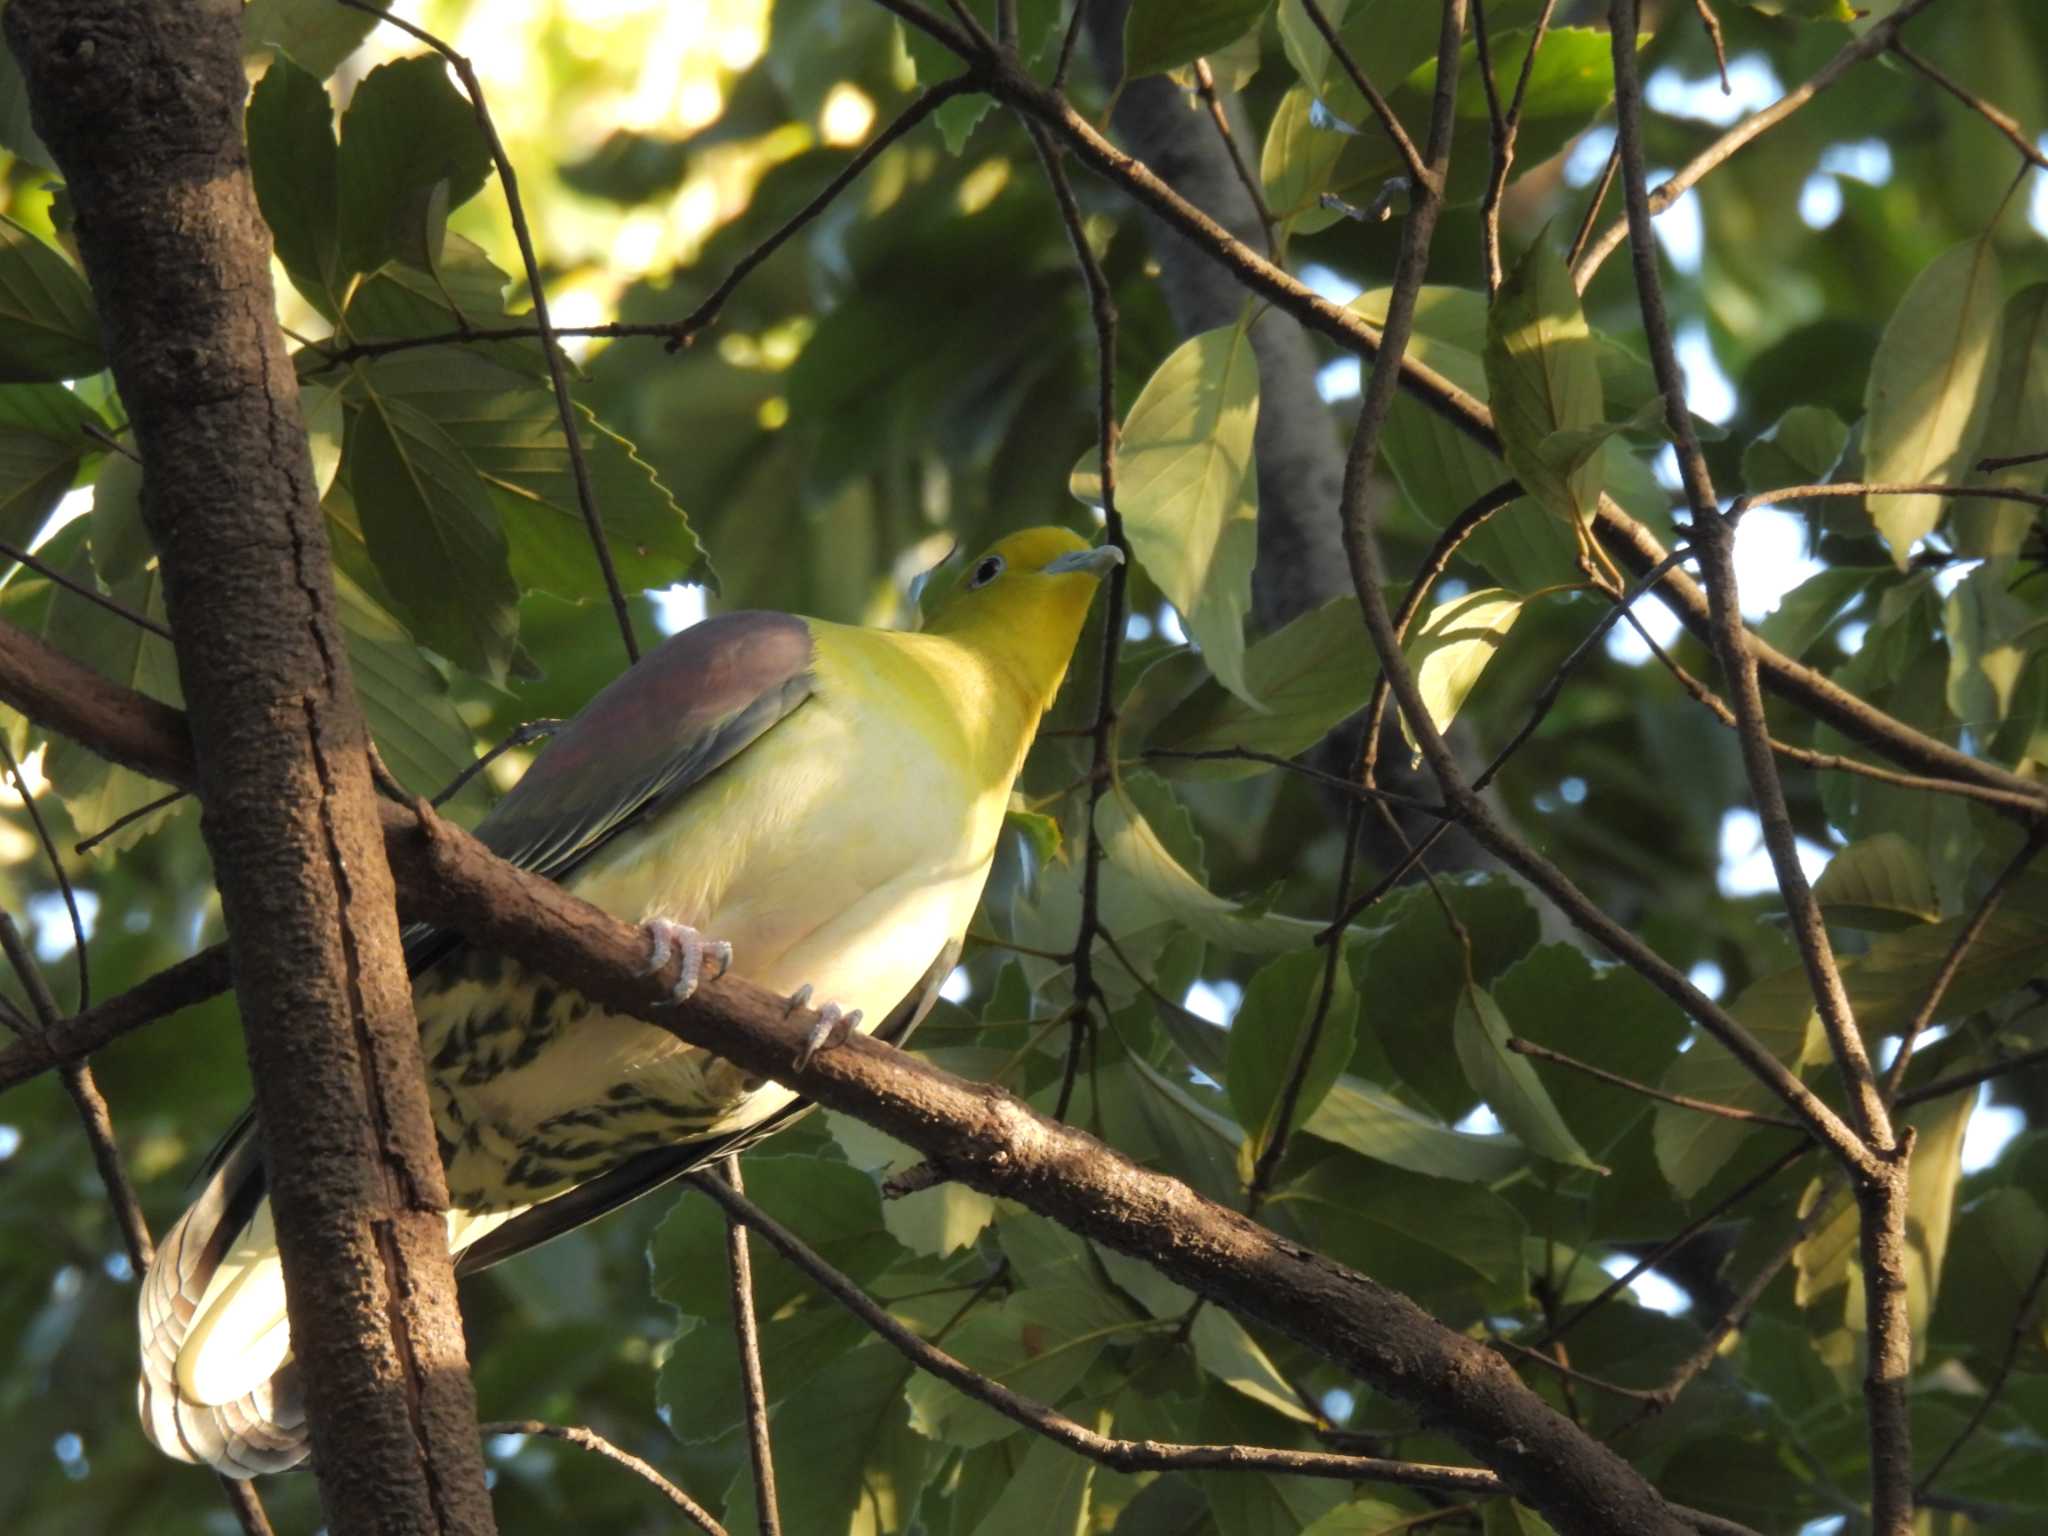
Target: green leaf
point(1543, 377)
point(1039, 1343)
point(1164, 34)
point(1508, 1082)
point(2016, 423)
point(43, 439)
point(1991, 637)
point(1373, 1123)
point(1885, 984)
point(318, 33)
point(505, 421)
point(121, 548)
point(1279, 1006)
point(1930, 385)
point(1810, 609)
point(1298, 159)
point(433, 533)
point(293, 162)
point(1451, 650)
point(1881, 882)
point(2005, 1233)
point(1458, 1244)
point(1189, 494)
point(1412, 970)
point(1155, 880)
point(48, 327)
point(1692, 1147)
point(1362, 1517)
point(1048, 1496)
point(1802, 447)
point(1308, 677)
point(405, 700)
point(95, 792)
point(1549, 995)
point(862, 1466)
point(410, 151)
point(1244, 1502)
point(1230, 1354)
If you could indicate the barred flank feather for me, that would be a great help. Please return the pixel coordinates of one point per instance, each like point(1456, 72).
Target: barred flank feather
point(265, 1429)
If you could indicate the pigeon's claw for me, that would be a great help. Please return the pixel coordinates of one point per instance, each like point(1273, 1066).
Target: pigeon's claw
point(833, 1026)
point(666, 940)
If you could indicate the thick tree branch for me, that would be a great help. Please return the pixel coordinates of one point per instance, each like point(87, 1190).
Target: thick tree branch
point(142, 108)
point(975, 1134)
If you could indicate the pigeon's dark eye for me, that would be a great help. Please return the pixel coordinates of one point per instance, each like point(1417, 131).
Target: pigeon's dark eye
point(990, 568)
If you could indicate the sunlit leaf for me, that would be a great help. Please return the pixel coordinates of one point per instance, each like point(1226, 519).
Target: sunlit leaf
point(1452, 647)
point(293, 163)
point(1188, 493)
point(1930, 384)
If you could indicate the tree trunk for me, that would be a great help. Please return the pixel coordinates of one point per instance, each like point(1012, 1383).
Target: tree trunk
point(142, 107)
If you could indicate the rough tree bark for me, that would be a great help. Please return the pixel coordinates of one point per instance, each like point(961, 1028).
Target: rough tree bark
point(142, 107)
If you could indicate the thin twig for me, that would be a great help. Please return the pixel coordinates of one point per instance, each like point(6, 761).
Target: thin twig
point(521, 736)
point(1123, 1455)
point(2022, 1325)
point(1712, 24)
point(747, 1335)
point(83, 589)
point(591, 1440)
point(1205, 86)
point(1714, 539)
point(1418, 173)
point(245, 1505)
point(1329, 781)
point(1411, 268)
point(1667, 192)
point(2002, 121)
point(87, 1099)
point(1505, 126)
point(204, 975)
point(1102, 310)
point(551, 351)
point(1602, 185)
point(1522, 1047)
point(1976, 1077)
point(1952, 962)
point(127, 819)
point(2011, 461)
point(1673, 1243)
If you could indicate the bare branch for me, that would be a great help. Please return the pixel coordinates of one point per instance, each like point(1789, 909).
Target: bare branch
point(590, 1440)
point(747, 1336)
point(1755, 126)
point(1524, 1047)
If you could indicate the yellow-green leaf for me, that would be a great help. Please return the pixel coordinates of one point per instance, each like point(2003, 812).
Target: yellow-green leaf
point(1881, 882)
point(1452, 649)
point(1930, 384)
point(1188, 493)
point(1543, 377)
